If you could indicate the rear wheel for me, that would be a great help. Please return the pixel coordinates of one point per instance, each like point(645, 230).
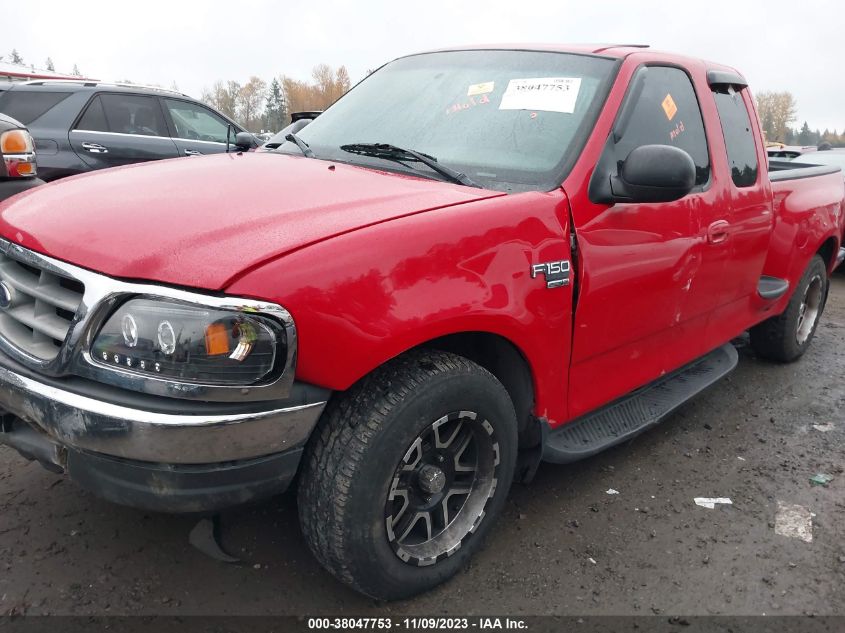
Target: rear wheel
point(407, 472)
point(787, 336)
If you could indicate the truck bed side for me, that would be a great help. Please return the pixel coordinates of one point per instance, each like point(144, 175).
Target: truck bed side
point(808, 203)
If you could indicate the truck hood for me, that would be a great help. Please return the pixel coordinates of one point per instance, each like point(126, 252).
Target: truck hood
point(199, 222)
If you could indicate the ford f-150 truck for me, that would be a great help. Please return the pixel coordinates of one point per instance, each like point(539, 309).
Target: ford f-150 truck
point(476, 260)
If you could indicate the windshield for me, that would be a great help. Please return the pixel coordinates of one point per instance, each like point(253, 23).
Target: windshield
point(510, 120)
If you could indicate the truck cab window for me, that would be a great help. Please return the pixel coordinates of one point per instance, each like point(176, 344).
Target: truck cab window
point(739, 138)
point(666, 113)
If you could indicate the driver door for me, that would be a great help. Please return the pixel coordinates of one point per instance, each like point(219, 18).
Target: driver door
point(196, 129)
point(643, 308)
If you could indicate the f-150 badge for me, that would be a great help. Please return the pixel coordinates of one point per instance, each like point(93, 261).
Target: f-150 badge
point(556, 273)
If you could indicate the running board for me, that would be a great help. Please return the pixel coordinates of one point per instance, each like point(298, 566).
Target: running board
point(633, 414)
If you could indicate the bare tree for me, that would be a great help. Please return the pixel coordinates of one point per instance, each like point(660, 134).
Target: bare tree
point(777, 110)
point(342, 83)
point(223, 97)
point(49, 65)
point(328, 86)
point(245, 103)
point(250, 101)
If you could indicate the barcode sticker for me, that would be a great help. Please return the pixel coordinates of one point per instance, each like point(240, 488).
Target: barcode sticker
point(546, 94)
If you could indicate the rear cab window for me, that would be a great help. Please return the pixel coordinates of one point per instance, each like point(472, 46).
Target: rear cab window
point(29, 105)
point(738, 135)
point(123, 114)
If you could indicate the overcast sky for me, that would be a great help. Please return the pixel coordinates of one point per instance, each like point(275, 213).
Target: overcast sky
point(778, 45)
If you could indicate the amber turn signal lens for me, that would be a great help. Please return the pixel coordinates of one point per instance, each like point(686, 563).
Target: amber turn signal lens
point(216, 339)
point(19, 167)
point(15, 142)
point(26, 169)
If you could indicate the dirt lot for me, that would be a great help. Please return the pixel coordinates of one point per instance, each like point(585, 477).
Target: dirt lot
point(563, 546)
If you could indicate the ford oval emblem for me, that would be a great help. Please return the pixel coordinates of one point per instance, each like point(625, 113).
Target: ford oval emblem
point(5, 296)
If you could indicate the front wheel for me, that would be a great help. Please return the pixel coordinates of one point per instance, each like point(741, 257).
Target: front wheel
point(787, 336)
point(406, 473)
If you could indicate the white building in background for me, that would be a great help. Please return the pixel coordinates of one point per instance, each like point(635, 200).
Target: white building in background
point(24, 72)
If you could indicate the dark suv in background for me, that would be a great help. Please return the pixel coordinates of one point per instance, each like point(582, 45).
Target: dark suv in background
point(79, 126)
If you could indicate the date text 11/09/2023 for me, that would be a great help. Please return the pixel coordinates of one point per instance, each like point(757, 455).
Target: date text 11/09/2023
point(418, 624)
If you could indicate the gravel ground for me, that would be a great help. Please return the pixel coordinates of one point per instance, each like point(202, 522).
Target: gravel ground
point(563, 546)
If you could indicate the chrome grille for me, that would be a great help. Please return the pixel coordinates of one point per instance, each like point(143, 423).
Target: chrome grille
point(41, 308)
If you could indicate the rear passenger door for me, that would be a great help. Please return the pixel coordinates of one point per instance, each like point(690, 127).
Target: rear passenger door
point(749, 222)
point(196, 129)
point(118, 129)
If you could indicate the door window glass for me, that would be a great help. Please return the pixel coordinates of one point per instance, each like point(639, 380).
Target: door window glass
point(194, 122)
point(94, 118)
point(27, 106)
point(124, 114)
point(666, 113)
point(739, 139)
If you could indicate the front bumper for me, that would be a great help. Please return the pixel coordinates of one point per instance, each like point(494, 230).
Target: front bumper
point(184, 437)
point(176, 461)
point(171, 488)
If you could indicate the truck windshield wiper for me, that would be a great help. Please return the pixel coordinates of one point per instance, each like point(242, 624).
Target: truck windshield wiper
point(302, 145)
point(391, 152)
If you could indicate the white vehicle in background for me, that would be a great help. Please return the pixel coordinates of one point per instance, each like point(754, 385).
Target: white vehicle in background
point(298, 120)
point(834, 157)
point(788, 152)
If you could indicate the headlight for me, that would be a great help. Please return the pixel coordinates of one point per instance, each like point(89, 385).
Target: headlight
point(189, 343)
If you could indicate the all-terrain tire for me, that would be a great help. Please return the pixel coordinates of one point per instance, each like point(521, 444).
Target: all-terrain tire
point(787, 336)
point(349, 469)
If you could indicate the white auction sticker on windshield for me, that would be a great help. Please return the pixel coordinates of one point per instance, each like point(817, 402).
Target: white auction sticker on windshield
point(547, 94)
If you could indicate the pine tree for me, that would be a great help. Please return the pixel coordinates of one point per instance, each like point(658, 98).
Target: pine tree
point(275, 110)
point(49, 65)
point(16, 57)
point(75, 72)
point(805, 136)
point(789, 136)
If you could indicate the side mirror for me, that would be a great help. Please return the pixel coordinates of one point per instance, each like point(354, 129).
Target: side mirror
point(245, 141)
point(654, 173)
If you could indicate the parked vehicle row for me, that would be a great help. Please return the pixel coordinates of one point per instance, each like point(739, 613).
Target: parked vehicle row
point(476, 260)
point(80, 126)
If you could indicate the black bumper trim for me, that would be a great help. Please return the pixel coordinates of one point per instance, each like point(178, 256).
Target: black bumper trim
point(13, 186)
point(170, 488)
point(183, 489)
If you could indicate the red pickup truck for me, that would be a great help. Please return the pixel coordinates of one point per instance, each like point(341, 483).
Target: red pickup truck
point(476, 260)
